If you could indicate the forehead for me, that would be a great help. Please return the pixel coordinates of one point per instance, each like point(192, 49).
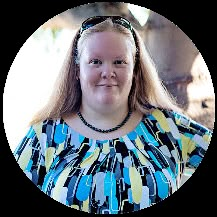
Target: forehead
point(107, 41)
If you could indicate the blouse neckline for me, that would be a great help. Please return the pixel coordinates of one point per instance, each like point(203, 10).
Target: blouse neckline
point(135, 130)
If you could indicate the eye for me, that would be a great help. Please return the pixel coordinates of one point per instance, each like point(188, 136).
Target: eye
point(119, 62)
point(95, 61)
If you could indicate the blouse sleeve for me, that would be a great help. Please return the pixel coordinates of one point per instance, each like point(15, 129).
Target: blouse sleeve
point(194, 140)
point(29, 157)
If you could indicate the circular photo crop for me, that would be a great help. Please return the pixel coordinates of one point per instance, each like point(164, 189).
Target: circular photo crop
point(114, 108)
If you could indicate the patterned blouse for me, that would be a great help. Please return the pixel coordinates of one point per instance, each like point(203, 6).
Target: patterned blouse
point(114, 176)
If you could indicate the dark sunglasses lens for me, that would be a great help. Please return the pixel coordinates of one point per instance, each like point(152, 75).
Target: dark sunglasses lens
point(96, 20)
point(125, 23)
point(92, 22)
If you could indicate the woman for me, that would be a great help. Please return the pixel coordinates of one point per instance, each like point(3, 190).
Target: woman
point(111, 139)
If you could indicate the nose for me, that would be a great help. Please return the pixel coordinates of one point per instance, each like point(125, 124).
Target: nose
point(108, 70)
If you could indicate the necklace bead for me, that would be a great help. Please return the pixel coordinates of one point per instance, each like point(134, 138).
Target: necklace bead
point(101, 130)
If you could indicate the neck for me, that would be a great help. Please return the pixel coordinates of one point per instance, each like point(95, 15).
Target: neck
point(104, 118)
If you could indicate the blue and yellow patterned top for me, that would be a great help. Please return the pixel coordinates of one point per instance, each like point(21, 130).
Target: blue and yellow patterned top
point(113, 176)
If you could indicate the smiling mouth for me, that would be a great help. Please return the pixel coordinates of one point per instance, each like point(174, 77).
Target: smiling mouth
point(107, 85)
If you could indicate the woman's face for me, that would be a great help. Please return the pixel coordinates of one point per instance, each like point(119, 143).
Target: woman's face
point(106, 69)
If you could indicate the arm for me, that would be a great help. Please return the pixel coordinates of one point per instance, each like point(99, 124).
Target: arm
point(29, 156)
point(197, 139)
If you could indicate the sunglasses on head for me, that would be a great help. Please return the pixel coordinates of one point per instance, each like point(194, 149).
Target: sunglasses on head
point(92, 21)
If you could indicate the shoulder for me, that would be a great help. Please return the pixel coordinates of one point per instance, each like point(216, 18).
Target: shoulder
point(46, 126)
point(180, 120)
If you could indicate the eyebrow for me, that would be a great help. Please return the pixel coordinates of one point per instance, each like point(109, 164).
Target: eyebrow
point(121, 56)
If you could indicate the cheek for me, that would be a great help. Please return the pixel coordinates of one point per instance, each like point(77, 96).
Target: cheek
point(88, 77)
point(127, 78)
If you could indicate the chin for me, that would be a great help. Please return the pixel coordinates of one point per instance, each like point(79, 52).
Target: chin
point(107, 101)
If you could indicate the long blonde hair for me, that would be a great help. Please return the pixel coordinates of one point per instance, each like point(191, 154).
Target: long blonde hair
point(147, 88)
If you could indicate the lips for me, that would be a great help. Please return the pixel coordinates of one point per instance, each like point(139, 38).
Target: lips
point(107, 85)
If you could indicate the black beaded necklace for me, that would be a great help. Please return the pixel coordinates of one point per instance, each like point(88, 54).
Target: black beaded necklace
point(105, 131)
